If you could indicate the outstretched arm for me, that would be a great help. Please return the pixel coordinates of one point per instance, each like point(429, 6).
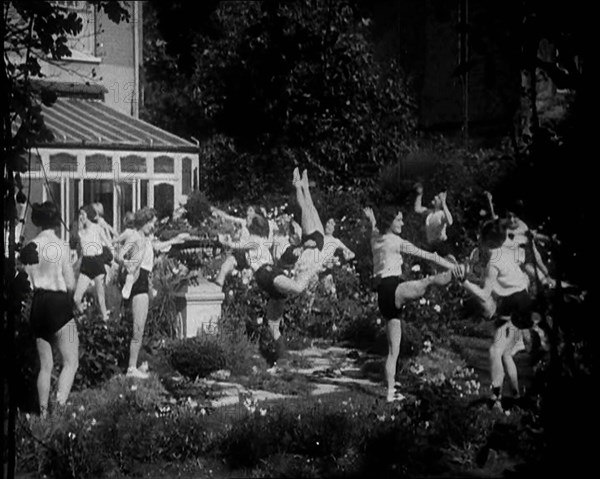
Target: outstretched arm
point(447, 214)
point(419, 208)
point(221, 214)
point(347, 252)
point(407, 247)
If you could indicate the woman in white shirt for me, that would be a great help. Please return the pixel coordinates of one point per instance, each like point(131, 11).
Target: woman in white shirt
point(92, 240)
point(51, 315)
point(504, 294)
point(393, 292)
point(139, 254)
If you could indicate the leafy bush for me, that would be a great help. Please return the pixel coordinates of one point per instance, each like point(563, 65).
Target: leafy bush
point(103, 350)
point(198, 357)
point(197, 208)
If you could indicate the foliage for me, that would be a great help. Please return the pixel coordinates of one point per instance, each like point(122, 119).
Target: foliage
point(198, 357)
point(197, 208)
point(103, 349)
point(276, 78)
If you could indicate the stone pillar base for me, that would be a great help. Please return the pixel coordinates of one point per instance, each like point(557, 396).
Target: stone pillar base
point(199, 309)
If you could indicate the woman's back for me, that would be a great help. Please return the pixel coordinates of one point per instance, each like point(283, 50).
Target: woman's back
point(53, 257)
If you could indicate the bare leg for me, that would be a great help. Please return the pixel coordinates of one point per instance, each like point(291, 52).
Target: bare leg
point(83, 283)
point(100, 293)
point(500, 355)
point(312, 220)
point(411, 290)
point(68, 345)
point(274, 316)
point(394, 335)
point(139, 305)
point(45, 375)
point(226, 269)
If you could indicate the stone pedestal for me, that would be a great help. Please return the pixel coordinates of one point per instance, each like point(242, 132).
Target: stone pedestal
point(199, 309)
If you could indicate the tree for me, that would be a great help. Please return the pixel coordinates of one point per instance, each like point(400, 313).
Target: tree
point(278, 84)
point(30, 31)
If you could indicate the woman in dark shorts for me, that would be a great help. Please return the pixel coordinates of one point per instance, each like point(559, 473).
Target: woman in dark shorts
point(139, 252)
point(392, 291)
point(273, 279)
point(51, 316)
point(505, 296)
point(92, 240)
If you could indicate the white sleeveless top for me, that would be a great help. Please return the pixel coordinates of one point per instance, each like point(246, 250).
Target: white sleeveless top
point(507, 261)
point(53, 254)
point(91, 240)
point(387, 257)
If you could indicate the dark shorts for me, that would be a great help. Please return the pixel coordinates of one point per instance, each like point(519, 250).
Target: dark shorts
point(50, 311)
point(240, 258)
point(107, 256)
point(265, 275)
point(142, 284)
point(92, 266)
point(519, 307)
point(386, 297)
point(317, 237)
point(289, 258)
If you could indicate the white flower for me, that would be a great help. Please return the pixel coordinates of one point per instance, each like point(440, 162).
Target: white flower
point(437, 308)
point(94, 422)
point(422, 301)
point(417, 368)
point(482, 213)
point(334, 328)
point(71, 436)
point(230, 293)
point(134, 387)
point(74, 415)
point(378, 321)
point(416, 268)
point(203, 411)
point(259, 320)
point(263, 412)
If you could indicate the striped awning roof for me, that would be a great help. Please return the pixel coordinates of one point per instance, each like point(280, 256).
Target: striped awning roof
point(83, 123)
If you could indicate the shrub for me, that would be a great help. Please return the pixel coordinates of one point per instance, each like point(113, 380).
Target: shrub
point(199, 356)
point(103, 349)
point(197, 208)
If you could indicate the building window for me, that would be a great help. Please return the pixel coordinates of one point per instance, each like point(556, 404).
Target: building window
point(164, 196)
point(63, 162)
point(133, 164)
point(85, 41)
point(186, 176)
point(164, 164)
point(98, 164)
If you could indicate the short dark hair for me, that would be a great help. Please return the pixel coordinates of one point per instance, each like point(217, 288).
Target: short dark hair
point(45, 215)
point(259, 226)
point(493, 233)
point(143, 216)
point(387, 214)
point(128, 219)
point(91, 212)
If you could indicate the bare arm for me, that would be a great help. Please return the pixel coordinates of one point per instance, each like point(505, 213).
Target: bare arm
point(484, 295)
point(348, 253)
point(371, 217)
point(225, 216)
point(67, 269)
point(447, 214)
point(488, 195)
point(408, 248)
point(419, 208)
